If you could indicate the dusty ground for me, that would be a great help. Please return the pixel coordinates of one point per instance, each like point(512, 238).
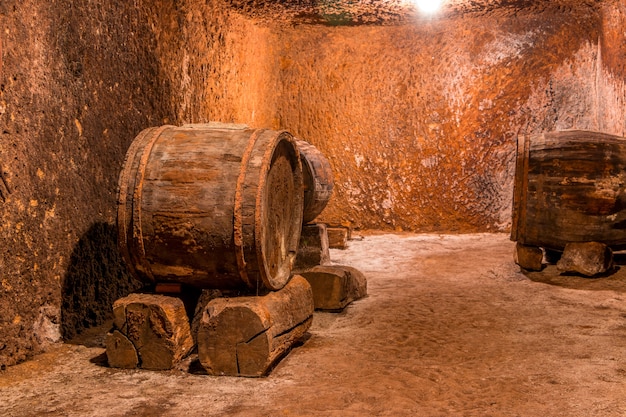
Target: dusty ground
point(450, 328)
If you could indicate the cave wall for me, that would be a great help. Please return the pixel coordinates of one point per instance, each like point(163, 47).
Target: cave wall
point(78, 80)
point(611, 74)
point(420, 120)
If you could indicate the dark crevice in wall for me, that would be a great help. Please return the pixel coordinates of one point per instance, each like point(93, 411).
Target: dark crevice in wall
point(5, 189)
point(96, 277)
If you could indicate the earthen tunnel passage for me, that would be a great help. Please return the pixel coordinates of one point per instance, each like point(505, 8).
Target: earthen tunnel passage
point(419, 116)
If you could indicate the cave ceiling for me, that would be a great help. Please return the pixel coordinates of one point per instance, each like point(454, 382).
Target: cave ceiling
point(389, 12)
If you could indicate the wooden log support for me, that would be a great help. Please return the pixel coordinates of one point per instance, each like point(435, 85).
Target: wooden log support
point(586, 258)
point(154, 327)
point(246, 336)
point(528, 257)
point(335, 286)
point(205, 298)
point(313, 247)
point(338, 236)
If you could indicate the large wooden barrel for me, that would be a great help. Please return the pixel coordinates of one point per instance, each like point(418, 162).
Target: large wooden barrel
point(570, 187)
point(211, 206)
point(318, 180)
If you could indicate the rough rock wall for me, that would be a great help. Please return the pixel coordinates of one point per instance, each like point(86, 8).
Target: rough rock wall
point(78, 81)
point(611, 74)
point(191, 38)
point(420, 120)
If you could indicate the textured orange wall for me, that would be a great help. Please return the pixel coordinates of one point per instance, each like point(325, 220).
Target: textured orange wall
point(419, 121)
point(79, 80)
point(614, 38)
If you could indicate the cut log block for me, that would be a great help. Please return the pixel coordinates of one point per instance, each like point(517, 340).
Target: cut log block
point(335, 286)
point(313, 247)
point(588, 258)
point(120, 351)
point(245, 336)
point(528, 257)
point(338, 236)
point(205, 298)
point(156, 326)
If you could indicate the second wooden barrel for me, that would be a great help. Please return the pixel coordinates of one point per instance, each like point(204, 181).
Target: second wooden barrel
point(318, 180)
point(211, 206)
point(570, 186)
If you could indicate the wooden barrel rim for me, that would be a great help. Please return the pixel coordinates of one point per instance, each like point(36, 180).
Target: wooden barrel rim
point(279, 281)
point(122, 195)
point(248, 228)
point(238, 236)
point(317, 168)
point(137, 195)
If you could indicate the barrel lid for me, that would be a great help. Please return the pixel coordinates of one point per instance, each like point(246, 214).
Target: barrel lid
point(266, 233)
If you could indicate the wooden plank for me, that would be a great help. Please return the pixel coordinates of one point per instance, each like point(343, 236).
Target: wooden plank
point(246, 336)
point(156, 326)
point(338, 236)
point(168, 288)
point(313, 249)
point(335, 286)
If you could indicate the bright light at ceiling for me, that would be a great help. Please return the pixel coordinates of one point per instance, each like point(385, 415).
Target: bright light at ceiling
point(428, 6)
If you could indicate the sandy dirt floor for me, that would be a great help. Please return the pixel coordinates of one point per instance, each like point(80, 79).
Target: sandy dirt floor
point(450, 328)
